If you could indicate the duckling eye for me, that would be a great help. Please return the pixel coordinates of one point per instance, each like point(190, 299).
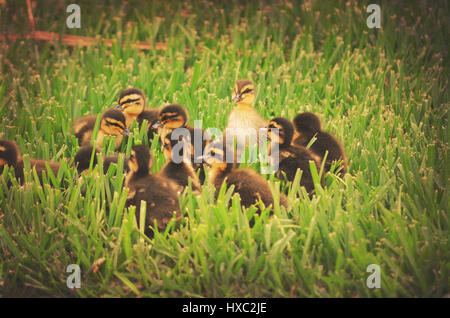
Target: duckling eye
point(213, 153)
point(248, 90)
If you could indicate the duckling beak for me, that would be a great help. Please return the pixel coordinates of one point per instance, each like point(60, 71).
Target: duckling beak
point(237, 98)
point(157, 125)
point(126, 132)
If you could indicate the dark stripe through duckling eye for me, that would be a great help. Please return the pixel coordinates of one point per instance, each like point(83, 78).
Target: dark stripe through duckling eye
point(248, 90)
point(169, 118)
point(129, 101)
point(115, 124)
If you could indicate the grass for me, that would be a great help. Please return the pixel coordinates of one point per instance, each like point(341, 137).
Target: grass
point(382, 92)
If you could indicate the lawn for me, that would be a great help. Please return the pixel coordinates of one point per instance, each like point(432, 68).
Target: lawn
point(381, 92)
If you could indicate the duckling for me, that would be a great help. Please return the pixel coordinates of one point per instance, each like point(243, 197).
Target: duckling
point(132, 103)
point(171, 117)
point(10, 155)
point(307, 126)
point(179, 169)
point(244, 116)
point(159, 193)
point(251, 186)
point(290, 158)
point(83, 158)
point(175, 116)
point(112, 123)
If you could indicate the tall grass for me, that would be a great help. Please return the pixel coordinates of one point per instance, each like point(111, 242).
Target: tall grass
point(382, 92)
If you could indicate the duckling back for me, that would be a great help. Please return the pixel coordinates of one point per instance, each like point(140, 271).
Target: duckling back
point(83, 128)
point(160, 195)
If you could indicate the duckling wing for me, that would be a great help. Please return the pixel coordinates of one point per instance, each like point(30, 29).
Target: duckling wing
point(250, 186)
point(297, 158)
point(83, 128)
point(161, 198)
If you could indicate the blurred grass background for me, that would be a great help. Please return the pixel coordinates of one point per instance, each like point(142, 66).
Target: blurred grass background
point(382, 92)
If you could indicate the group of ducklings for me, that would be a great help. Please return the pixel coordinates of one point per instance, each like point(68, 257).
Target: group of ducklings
point(160, 191)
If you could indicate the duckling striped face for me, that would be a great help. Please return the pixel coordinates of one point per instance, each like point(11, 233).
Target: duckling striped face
point(244, 92)
point(113, 123)
point(215, 156)
point(173, 116)
point(132, 104)
point(9, 153)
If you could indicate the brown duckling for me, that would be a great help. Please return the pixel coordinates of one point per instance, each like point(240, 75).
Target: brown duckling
point(290, 158)
point(173, 117)
point(132, 103)
point(10, 155)
point(307, 126)
point(251, 186)
point(112, 123)
point(160, 194)
point(179, 166)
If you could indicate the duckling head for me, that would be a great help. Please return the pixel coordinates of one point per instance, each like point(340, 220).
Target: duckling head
point(131, 103)
point(113, 123)
point(218, 155)
point(177, 148)
point(141, 160)
point(244, 92)
point(82, 158)
point(9, 153)
point(172, 117)
point(285, 131)
point(307, 122)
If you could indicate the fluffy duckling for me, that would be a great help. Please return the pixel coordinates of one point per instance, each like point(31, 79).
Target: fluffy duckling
point(159, 193)
point(171, 117)
point(251, 186)
point(307, 126)
point(10, 155)
point(178, 167)
point(175, 116)
point(244, 115)
point(112, 123)
point(132, 103)
point(83, 158)
point(290, 158)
